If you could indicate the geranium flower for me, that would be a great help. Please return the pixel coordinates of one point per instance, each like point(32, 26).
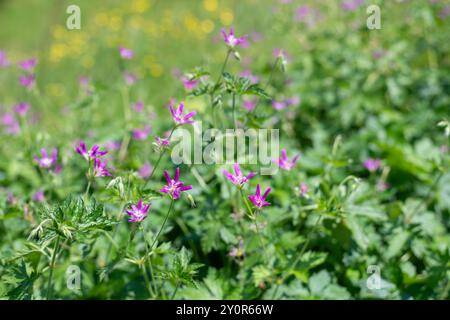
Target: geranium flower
point(162, 142)
point(145, 171)
point(4, 62)
point(141, 134)
point(27, 81)
point(138, 106)
point(47, 161)
point(177, 114)
point(284, 163)
point(95, 151)
point(230, 39)
point(100, 169)
point(38, 196)
point(27, 65)
point(21, 108)
point(126, 53)
point(372, 164)
point(188, 83)
point(138, 212)
point(258, 200)
point(238, 179)
point(174, 186)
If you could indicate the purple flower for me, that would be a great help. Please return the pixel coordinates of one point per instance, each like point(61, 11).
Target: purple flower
point(138, 106)
point(250, 76)
point(177, 114)
point(238, 179)
point(303, 189)
point(27, 65)
point(4, 62)
point(258, 201)
point(113, 145)
point(162, 142)
point(11, 124)
point(38, 196)
point(279, 105)
point(94, 153)
point(444, 12)
point(284, 163)
point(141, 134)
point(138, 212)
point(27, 81)
point(21, 108)
point(174, 186)
point(237, 252)
point(249, 104)
point(352, 5)
point(85, 84)
point(302, 13)
point(100, 169)
point(126, 53)
point(188, 83)
point(145, 170)
point(372, 164)
point(230, 38)
point(47, 161)
point(129, 78)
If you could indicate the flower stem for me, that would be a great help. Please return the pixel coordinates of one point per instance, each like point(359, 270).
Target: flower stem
point(147, 281)
point(233, 106)
point(162, 226)
point(52, 265)
point(272, 71)
point(126, 111)
point(175, 291)
point(249, 209)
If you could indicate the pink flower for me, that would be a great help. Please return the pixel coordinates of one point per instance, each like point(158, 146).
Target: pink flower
point(126, 53)
point(27, 65)
point(230, 38)
point(94, 153)
point(27, 81)
point(138, 212)
point(372, 164)
point(279, 105)
point(162, 142)
point(11, 124)
point(38, 196)
point(177, 114)
point(238, 178)
point(249, 104)
point(258, 200)
point(303, 189)
point(284, 163)
point(138, 106)
point(250, 76)
point(100, 169)
point(352, 5)
point(129, 78)
point(141, 134)
point(145, 170)
point(4, 62)
point(21, 108)
point(47, 161)
point(112, 145)
point(189, 84)
point(174, 186)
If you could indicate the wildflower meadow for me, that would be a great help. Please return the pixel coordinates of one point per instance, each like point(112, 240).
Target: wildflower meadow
point(224, 149)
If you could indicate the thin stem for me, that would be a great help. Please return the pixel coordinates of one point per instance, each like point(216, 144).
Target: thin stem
point(175, 291)
point(272, 71)
point(159, 158)
point(162, 227)
point(223, 67)
point(52, 265)
point(250, 211)
point(126, 111)
point(147, 281)
point(147, 250)
point(233, 106)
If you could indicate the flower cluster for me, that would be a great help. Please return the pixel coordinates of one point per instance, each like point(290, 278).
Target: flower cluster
point(28, 79)
point(94, 156)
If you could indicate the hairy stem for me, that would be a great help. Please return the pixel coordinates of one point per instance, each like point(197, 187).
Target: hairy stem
point(52, 266)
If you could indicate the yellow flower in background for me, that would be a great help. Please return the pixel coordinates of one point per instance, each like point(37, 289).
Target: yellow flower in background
point(55, 90)
point(207, 26)
point(210, 5)
point(156, 70)
point(226, 17)
point(58, 32)
point(57, 52)
point(101, 19)
point(115, 22)
point(140, 6)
